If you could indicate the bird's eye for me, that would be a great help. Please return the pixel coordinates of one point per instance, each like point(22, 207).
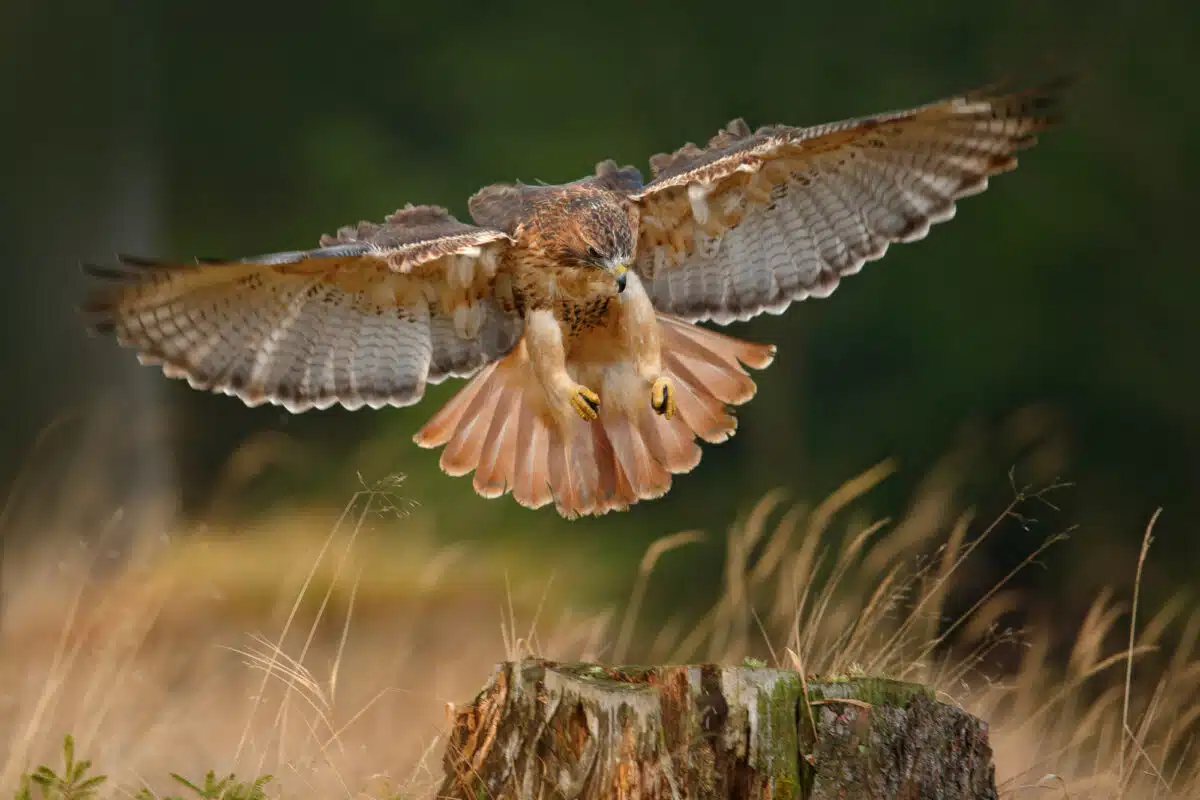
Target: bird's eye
point(593, 254)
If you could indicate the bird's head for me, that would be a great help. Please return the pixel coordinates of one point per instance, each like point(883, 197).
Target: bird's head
point(604, 235)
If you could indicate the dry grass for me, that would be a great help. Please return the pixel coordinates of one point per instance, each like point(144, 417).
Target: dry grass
point(339, 688)
point(358, 638)
point(866, 602)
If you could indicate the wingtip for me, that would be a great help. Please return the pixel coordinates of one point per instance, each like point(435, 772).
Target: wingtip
point(105, 272)
point(1037, 92)
point(132, 260)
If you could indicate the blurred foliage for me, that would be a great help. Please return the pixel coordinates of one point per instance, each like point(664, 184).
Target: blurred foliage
point(1051, 325)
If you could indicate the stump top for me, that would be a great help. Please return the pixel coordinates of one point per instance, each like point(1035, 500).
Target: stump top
point(543, 728)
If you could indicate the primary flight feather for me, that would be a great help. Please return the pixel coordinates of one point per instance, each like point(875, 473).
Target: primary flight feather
point(573, 308)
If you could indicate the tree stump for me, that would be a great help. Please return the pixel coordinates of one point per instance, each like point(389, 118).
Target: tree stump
point(542, 729)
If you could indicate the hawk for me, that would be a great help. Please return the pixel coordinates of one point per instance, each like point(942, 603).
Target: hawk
point(573, 308)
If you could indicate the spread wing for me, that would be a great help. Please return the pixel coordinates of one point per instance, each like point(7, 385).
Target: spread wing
point(757, 220)
point(368, 318)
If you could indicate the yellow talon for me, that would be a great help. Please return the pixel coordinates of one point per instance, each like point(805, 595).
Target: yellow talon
point(586, 403)
point(662, 397)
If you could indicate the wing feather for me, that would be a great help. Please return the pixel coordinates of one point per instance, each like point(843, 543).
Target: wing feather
point(756, 221)
point(369, 318)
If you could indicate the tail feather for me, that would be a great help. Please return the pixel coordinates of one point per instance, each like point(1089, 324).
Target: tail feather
point(625, 495)
point(493, 475)
point(498, 425)
point(704, 413)
point(574, 470)
point(671, 442)
point(646, 476)
point(727, 385)
point(562, 485)
point(442, 425)
point(466, 444)
point(607, 474)
point(531, 480)
point(582, 454)
point(752, 354)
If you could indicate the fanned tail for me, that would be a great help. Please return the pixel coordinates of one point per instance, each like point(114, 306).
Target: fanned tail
point(499, 426)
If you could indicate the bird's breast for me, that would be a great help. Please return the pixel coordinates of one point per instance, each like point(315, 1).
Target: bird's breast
point(583, 299)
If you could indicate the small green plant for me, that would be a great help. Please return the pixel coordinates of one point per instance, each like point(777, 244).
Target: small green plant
point(214, 788)
point(73, 784)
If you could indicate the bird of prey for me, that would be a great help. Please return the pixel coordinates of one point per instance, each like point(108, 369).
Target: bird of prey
point(573, 308)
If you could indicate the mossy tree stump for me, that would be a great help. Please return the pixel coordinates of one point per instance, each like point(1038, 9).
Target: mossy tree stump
point(542, 729)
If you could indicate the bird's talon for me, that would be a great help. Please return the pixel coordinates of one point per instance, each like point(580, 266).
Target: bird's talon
point(662, 397)
point(586, 403)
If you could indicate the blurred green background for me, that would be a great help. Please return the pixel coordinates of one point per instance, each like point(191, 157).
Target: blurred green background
point(1051, 327)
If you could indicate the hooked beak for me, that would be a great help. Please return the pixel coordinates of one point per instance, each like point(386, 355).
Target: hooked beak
point(621, 271)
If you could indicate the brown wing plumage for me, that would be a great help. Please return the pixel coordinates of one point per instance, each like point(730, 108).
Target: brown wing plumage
point(369, 318)
point(757, 220)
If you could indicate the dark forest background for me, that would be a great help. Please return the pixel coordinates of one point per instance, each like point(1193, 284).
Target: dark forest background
point(1050, 329)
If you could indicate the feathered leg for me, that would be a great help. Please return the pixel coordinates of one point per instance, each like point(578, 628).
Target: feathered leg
point(548, 359)
point(639, 332)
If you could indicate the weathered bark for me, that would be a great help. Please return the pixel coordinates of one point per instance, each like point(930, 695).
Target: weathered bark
point(541, 729)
